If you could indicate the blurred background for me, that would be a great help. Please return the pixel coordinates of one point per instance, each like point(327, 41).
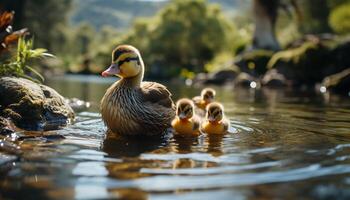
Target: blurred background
point(280, 68)
point(278, 42)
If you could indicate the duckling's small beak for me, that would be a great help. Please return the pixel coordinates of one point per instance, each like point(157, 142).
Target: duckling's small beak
point(182, 116)
point(210, 99)
point(211, 119)
point(112, 70)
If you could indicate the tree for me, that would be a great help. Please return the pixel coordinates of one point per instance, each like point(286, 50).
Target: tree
point(265, 16)
point(185, 34)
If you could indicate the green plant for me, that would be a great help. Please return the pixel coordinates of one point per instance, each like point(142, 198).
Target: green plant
point(339, 19)
point(18, 65)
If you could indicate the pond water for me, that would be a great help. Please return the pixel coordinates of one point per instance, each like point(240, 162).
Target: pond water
point(282, 145)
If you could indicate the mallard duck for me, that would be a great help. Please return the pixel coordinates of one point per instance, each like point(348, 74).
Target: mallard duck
point(207, 96)
point(215, 121)
point(185, 122)
point(133, 107)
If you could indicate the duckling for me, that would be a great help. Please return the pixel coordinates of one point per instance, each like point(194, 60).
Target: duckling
point(185, 122)
point(133, 107)
point(215, 121)
point(207, 96)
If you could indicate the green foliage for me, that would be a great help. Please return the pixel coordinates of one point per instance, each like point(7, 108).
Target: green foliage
point(316, 13)
point(19, 64)
point(185, 34)
point(340, 19)
point(222, 61)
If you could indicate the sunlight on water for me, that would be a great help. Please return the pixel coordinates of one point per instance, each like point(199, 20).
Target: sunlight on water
point(287, 141)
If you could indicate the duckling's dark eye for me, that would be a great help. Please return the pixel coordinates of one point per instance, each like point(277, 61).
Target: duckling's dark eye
point(188, 110)
point(217, 113)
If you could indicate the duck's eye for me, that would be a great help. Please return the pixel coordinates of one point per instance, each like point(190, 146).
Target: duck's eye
point(188, 111)
point(217, 114)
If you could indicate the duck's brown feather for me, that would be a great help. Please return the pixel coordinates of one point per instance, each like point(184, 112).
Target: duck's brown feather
point(156, 93)
point(145, 110)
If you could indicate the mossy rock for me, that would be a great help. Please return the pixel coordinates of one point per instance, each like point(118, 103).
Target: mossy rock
point(244, 80)
point(339, 82)
point(312, 60)
point(221, 77)
point(273, 79)
point(5, 128)
point(33, 106)
point(254, 62)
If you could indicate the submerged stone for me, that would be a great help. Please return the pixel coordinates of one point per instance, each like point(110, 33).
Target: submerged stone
point(33, 106)
point(274, 79)
point(244, 80)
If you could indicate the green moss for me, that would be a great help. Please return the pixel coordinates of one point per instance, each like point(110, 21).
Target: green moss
point(294, 55)
point(339, 19)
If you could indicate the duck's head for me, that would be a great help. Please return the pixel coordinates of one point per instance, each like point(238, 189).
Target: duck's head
point(208, 95)
point(215, 112)
point(184, 109)
point(126, 62)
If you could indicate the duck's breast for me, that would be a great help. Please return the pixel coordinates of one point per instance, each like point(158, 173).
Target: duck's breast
point(118, 110)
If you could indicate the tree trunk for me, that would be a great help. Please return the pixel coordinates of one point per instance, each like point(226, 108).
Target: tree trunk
point(265, 15)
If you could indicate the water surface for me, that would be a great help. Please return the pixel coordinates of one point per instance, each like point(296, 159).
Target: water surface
point(282, 144)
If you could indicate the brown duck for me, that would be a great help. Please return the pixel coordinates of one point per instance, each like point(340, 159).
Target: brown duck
point(133, 107)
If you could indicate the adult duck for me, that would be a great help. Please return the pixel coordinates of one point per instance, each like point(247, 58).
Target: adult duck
point(131, 106)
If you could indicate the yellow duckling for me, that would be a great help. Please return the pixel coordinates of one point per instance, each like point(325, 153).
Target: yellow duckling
point(215, 121)
point(184, 122)
point(207, 96)
point(133, 107)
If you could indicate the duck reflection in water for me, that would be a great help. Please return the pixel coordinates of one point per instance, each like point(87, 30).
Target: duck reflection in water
point(184, 144)
point(214, 142)
point(117, 146)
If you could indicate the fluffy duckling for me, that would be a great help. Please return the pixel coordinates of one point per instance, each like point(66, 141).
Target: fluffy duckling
point(207, 96)
point(215, 121)
point(185, 122)
point(133, 107)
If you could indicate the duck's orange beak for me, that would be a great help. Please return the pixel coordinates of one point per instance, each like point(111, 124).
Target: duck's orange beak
point(112, 70)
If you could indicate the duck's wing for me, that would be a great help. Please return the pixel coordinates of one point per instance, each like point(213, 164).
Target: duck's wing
point(156, 93)
point(196, 126)
point(226, 125)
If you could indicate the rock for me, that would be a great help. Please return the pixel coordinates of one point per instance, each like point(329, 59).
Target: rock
point(340, 55)
point(5, 127)
point(254, 62)
point(309, 61)
point(304, 64)
point(273, 79)
point(339, 82)
point(33, 106)
point(244, 80)
point(221, 77)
